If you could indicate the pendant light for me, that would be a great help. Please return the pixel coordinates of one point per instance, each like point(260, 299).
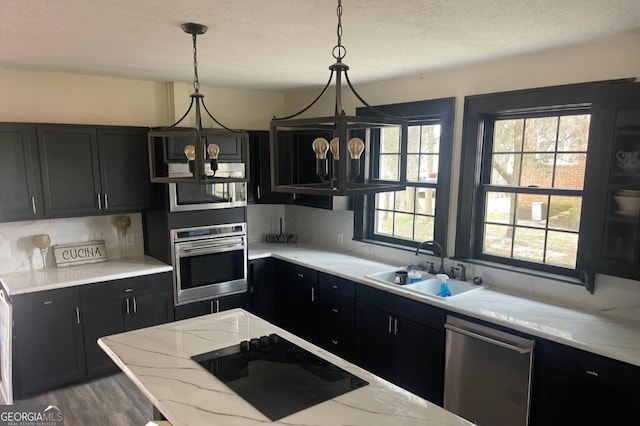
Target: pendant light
point(191, 154)
point(349, 136)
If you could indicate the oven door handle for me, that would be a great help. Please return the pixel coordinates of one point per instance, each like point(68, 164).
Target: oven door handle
point(186, 251)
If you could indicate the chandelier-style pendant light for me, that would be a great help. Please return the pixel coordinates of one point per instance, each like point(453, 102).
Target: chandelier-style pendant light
point(346, 146)
point(193, 154)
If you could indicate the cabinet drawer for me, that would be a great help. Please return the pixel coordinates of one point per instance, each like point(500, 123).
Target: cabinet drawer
point(330, 284)
point(421, 313)
point(337, 311)
point(134, 286)
point(300, 273)
point(587, 366)
point(41, 301)
point(338, 341)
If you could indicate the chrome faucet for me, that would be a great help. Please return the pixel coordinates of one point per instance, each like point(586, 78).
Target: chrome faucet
point(433, 243)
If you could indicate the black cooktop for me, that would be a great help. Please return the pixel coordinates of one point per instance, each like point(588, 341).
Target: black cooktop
point(276, 376)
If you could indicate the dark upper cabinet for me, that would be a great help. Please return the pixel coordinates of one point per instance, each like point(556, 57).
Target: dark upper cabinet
point(70, 171)
point(259, 189)
point(610, 226)
point(20, 190)
point(124, 168)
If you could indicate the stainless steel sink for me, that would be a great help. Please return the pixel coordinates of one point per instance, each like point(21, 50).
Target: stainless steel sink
point(429, 285)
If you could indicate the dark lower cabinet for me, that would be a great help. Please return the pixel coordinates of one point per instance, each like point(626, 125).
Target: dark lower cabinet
point(122, 305)
point(336, 315)
point(573, 387)
point(212, 306)
point(298, 307)
point(48, 343)
point(262, 288)
point(402, 341)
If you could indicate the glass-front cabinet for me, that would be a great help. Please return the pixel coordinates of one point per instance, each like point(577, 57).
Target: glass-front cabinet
point(610, 232)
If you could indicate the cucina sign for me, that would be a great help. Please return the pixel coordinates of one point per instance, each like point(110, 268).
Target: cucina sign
point(80, 253)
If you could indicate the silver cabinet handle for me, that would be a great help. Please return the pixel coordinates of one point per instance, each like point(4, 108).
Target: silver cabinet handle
point(128, 290)
point(335, 287)
point(335, 310)
point(33, 204)
point(99, 201)
point(128, 311)
point(592, 373)
point(258, 190)
point(488, 339)
point(390, 321)
point(106, 201)
point(217, 306)
point(135, 306)
point(313, 294)
point(395, 326)
point(48, 302)
point(300, 275)
point(78, 314)
point(335, 342)
point(211, 304)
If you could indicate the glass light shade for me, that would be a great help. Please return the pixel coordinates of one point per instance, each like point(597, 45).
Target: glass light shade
point(335, 148)
point(320, 147)
point(356, 148)
point(190, 152)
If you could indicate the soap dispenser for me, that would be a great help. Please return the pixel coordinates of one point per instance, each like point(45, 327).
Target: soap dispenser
point(444, 287)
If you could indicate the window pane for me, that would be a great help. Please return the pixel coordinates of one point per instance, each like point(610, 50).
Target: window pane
point(430, 139)
point(570, 171)
point(403, 226)
point(528, 244)
point(540, 134)
point(537, 169)
point(498, 240)
point(564, 213)
point(505, 169)
point(390, 140)
point(426, 201)
point(425, 226)
point(532, 210)
point(389, 167)
point(500, 207)
point(508, 135)
point(429, 168)
point(413, 167)
point(383, 222)
point(562, 249)
point(384, 200)
point(413, 140)
point(404, 200)
point(573, 133)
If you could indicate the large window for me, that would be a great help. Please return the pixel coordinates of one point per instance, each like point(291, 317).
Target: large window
point(524, 157)
point(418, 213)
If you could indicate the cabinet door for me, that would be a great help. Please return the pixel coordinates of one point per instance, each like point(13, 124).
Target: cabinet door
point(241, 300)
point(20, 188)
point(420, 359)
point(48, 351)
point(99, 320)
point(260, 186)
point(374, 344)
point(610, 226)
point(195, 309)
point(263, 289)
point(69, 165)
point(124, 168)
point(146, 310)
point(300, 304)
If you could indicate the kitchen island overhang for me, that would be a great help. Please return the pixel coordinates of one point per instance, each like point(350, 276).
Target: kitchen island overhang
point(158, 360)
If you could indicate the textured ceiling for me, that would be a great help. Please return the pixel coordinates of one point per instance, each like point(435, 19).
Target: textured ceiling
point(286, 44)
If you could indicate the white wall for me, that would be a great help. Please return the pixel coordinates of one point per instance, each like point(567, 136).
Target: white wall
point(611, 59)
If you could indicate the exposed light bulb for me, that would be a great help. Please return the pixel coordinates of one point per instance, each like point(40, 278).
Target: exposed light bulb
point(355, 147)
point(335, 148)
point(213, 151)
point(190, 152)
point(320, 147)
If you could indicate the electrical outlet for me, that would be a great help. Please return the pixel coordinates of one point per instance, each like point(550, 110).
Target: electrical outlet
point(340, 238)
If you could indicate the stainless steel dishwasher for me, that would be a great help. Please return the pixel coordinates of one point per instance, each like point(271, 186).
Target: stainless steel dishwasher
point(487, 374)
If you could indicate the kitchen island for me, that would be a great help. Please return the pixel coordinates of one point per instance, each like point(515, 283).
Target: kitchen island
point(158, 360)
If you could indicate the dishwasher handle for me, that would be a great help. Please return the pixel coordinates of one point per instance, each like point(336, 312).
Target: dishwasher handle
point(487, 339)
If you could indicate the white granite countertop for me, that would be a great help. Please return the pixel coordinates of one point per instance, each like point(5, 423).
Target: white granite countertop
point(609, 336)
point(158, 361)
point(52, 278)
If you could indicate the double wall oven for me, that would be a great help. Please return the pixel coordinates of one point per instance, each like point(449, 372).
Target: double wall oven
point(209, 261)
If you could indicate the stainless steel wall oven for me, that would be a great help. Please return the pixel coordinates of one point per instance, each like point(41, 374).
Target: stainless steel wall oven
point(209, 261)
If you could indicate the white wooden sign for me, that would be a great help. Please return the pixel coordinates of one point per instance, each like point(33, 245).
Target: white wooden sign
point(80, 253)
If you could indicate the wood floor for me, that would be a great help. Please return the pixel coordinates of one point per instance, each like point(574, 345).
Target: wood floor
point(108, 401)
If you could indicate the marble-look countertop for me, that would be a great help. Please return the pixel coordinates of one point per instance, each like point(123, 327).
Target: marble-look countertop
point(158, 361)
point(593, 332)
point(52, 278)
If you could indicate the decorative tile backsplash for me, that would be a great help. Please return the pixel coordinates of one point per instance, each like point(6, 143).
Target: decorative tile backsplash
point(18, 253)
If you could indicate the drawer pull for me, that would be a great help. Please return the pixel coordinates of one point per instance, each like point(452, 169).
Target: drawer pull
point(335, 287)
point(335, 310)
point(390, 321)
point(128, 310)
point(313, 294)
point(300, 275)
point(335, 342)
point(592, 373)
point(135, 306)
point(33, 204)
point(128, 290)
point(48, 302)
point(78, 315)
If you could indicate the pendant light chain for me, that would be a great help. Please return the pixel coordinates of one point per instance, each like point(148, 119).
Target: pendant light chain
point(339, 51)
point(196, 81)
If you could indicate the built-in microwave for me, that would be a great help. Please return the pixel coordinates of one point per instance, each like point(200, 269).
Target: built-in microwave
point(204, 196)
